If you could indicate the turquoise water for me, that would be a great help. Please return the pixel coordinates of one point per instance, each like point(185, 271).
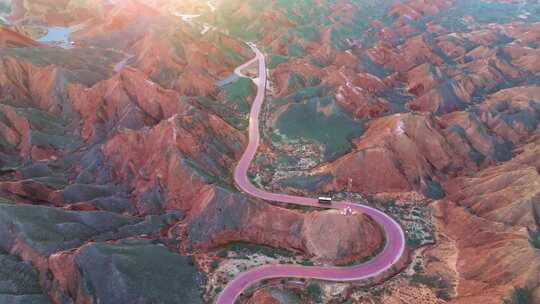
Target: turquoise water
point(232, 78)
point(58, 35)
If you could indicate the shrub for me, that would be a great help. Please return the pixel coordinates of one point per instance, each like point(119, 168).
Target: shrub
point(534, 238)
point(295, 82)
point(443, 294)
point(214, 264)
point(306, 262)
point(519, 296)
point(434, 190)
point(247, 248)
point(430, 281)
point(418, 267)
point(314, 292)
point(413, 241)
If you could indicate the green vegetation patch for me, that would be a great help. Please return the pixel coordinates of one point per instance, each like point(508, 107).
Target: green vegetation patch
point(237, 26)
point(239, 94)
point(5, 7)
point(48, 230)
point(430, 281)
point(83, 65)
point(17, 277)
point(319, 119)
point(311, 183)
point(72, 59)
point(216, 39)
point(440, 284)
point(433, 189)
point(47, 130)
point(308, 33)
point(8, 162)
point(295, 82)
point(147, 272)
point(314, 292)
point(45, 140)
point(86, 192)
point(286, 295)
point(484, 12)
point(43, 120)
point(310, 92)
point(295, 50)
point(276, 60)
point(232, 117)
point(534, 238)
point(373, 68)
point(235, 106)
point(363, 16)
point(416, 221)
point(519, 296)
point(251, 249)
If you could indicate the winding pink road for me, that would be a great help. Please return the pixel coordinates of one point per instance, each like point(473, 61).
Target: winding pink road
point(395, 238)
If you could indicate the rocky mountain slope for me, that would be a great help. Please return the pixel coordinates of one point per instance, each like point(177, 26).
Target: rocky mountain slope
point(445, 99)
point(118, 142)
point(116, 155)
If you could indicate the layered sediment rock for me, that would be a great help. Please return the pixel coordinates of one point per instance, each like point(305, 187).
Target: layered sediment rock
point(329, 237)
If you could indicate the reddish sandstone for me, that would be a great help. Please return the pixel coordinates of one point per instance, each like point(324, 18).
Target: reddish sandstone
point(12, 39)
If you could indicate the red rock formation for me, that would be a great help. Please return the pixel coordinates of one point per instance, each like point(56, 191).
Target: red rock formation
point(147, 146)
point(54, 12)
point(40, 83)
point(525, 57)
point(455, 89)
point(404, 11)
point(529, 33)
point(512, 113)
point(280, 75)
point(31, 86)
point(263, 296)
point(15, 130)
point(360, 103)
point(67, 276)
point(429, 8)
point(452, 46)
point(508, 193)
point(467, 133)
point(163, 155)
point(413, 52)
point(405, 149)
point(222, 217)
point(334, 238)
point(422, 79)
point(28, 190)
point(490, 258)
point(395, 154)
point(115, 99)
point(12, 39)
point(171, 52)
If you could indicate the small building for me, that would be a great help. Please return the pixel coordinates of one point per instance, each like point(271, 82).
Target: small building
point(325, 200)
